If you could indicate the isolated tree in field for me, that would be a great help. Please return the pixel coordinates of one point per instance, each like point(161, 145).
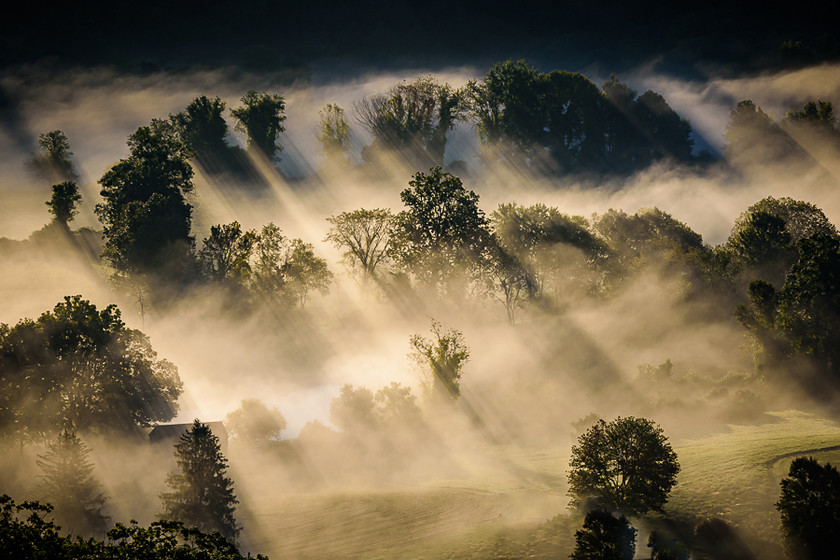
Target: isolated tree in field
point(145, 216)
point(54, 160)
point(201, 494)
point(68, 483)
point(442, 231)
point(62, 203)
point(625, 465)
point(253, 422)
point(604, 537)
point(445, 354)
point(334, 133)
point(809, 506)
point(260, 118)
point(82, 366)
point(366, 236)
point(226, 254)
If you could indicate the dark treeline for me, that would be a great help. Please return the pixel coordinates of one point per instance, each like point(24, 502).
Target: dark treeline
point(268, 35)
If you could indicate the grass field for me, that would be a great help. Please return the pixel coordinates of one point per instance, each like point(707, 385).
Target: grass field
point(733, 474)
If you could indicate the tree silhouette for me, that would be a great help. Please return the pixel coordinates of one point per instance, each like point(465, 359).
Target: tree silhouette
point(82, 366)
point(626, 464)
point(260, 118)
point(226, 254)
point(442, 232)
point(68, 483)
point(604, 537)
point(54, 161)
point(366, 237)
point(201, 494)
point(145, 215)
point(62, 204)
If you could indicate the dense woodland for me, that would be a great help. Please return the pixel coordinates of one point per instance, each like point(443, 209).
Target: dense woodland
point(78, 376)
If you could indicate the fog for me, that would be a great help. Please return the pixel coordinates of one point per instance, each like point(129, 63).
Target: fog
point(524, 385)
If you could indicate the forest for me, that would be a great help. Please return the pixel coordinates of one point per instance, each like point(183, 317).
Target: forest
point(488, 311)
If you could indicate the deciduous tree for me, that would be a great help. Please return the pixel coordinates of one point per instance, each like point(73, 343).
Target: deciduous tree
point(626, 464)
point(260, 117)
point(809, 507)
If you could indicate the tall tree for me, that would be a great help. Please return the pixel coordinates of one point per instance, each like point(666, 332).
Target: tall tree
point(62, 203)
point(334, 133)
point(144, 212)
point(304, 272)
point(81, 366)
point(201, 494)
point(203, 129)
point(366, 236)
point(68, 483)
point(54, 160)
point(442, 232)
point(626, 464)
point(226, 254)
point(260, 118)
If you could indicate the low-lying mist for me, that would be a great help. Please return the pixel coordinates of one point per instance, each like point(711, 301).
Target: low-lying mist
point(654, 343)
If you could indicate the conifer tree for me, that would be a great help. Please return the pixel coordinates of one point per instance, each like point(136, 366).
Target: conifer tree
point(68, 483)
point(201, 493)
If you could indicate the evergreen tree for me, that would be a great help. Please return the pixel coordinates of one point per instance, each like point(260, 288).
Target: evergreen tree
point(69, 484)
point(202, 495)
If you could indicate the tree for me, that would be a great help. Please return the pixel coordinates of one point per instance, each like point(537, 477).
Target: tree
point(366, 236)
point(54, 161)
point(752, 137)
point(443, 231)
point(62, 204)
point(604, 537)
point(664, 548)
point(27, 534)
point(809, 507)
point(260, 118)
point(201, 493)
point(269, 254)
point(145, 215)
point(445, 355)
point(253, 422)
point(334, 133)
point(626, 464)
point(202, 127)
point(81, 367)
point(304, 272)
point(226, 254)
point(411, 119)
point(69, 484)
point(353, 410)
point(396, 406)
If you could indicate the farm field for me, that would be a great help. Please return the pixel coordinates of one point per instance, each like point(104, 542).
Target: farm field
point(733, 475)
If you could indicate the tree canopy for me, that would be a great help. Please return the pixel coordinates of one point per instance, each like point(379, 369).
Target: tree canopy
point(809, 507)
point(81, 367)
point(260, 117)
point(145, 215)
point(626, 464)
